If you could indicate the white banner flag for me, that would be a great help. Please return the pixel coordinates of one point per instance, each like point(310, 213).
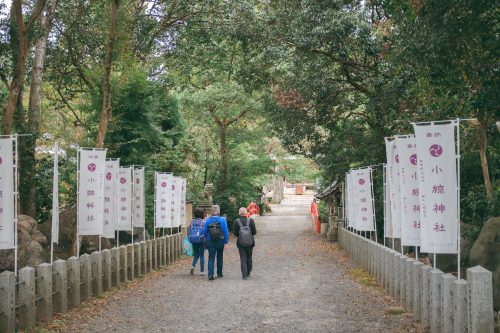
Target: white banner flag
point(410, 203)
point(91, 191)
point(162, 200)
point(125, 199)
point(387, 205)
point(438, 184)
point(176, 202)
point(139, 220)
point(183, 201)
point(393, 181)
point(7, 181)
point(347, 210)
point(364, 199)
point(111, 198)
point(55, 197)
point(351, 201)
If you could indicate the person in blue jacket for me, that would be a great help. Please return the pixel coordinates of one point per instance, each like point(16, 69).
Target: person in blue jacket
point(216, 237)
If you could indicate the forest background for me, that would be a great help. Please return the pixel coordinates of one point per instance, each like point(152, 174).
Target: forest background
point(224, 92)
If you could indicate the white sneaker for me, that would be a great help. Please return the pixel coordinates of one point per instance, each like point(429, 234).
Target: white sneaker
point(202, 273)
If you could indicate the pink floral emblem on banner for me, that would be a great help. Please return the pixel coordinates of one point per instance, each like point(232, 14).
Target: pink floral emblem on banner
point(123, 180)
point(173, 187)
point(137, 180)
point(397, 158)
point(163, 184)
point(413, 159)
point(91, 167)
point(361, 181)
point(108, 176)
point(436, 150)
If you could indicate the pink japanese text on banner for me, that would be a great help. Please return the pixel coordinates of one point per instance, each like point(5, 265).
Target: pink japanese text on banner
point(438, 185)
point(410, 203)
point(125, 199)
point(91, 191)
point(111, 198)
point(394, 188)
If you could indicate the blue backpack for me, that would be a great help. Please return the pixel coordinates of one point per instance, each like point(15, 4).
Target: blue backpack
point(196, 234)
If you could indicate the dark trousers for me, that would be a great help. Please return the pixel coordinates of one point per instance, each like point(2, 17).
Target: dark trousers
point(215, 249)
point(245, 260)
point(199, 252)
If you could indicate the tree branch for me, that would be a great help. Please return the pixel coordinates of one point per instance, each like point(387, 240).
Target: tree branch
point(37, 10)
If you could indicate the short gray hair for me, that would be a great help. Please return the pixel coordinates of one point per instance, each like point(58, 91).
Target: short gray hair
point(242, 211)
point(215, 210)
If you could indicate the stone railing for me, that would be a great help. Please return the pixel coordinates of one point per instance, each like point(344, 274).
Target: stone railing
point(39, 292)
point(440, 301)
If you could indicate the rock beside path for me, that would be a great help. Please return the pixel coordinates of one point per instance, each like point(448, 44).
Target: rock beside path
point(486, 252)
point(32, 246)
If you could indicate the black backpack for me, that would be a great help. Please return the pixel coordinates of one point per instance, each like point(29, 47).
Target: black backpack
point(245, 236)
point(215, 231)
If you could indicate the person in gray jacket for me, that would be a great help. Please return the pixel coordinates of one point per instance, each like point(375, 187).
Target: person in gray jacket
point(244, 229)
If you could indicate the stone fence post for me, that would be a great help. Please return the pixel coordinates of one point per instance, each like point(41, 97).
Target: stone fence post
point(137, 260)
point(60, 286)
point(73, 281)
point(85, 277)
point(115, 267)
point(106, 270)
point(447, 303)
point(26, 298)
point(155, 253)
point(436, 315)
point(130, 262)
point(96, 259)
point(8, 303)
point(460, 306)
point(123, 264)
point(44, 287)
point(480, 308)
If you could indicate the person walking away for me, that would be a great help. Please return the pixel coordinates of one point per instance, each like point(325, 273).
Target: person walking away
point(196, 236)
point(216, 236)
point(244, 229)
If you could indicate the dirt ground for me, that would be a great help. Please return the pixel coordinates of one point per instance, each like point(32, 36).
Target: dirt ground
point(299, 283)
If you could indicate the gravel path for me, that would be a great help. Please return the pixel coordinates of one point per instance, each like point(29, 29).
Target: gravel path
point(300, 283)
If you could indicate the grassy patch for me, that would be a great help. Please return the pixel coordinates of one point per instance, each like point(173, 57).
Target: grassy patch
point(364, 278)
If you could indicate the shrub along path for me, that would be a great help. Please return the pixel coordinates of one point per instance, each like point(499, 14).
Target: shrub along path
point(300, 283)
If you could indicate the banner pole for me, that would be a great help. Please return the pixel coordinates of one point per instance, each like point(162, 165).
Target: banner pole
point(434, 260)
point(77, 201)
point(155, 190)
point(458, 197)
point(132, 200)
point(384, 170)
point(416, 253)
point(100, 238)
point(117, 238)
point(51, 252)
point(343, 205)
point(16, 194)
point(373, 206)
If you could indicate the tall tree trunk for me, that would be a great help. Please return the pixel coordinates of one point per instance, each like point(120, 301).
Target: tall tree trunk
point(35, 101)
point(483, 145)
point(223, 158)
point(106, 80)
point(27, 190)
point(19, 47)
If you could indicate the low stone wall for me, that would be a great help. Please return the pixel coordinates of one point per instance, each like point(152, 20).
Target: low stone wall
point(440, 301)
point(37, 293)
